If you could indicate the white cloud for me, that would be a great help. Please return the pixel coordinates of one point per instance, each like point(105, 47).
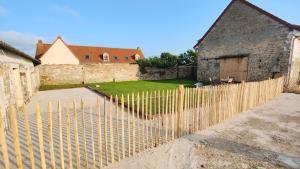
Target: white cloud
point(23, 41)
point(3, 11)
point(66, 10)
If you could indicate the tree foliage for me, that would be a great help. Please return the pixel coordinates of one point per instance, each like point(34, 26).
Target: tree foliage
point(167, 59)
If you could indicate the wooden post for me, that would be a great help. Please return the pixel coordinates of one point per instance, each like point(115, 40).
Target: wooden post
point(50, 135)
point(3, 145)
point(138, 122)
point(92, 135)
point(154, 118)
point(167, 116)
point(61, 146)
point(83, 135)
point(76, 134)
point(150, 114)
point(117, 127)
point(162, 115)
point(111, 131)
point(28, 136)
point(173, 114)
point(70, 160)
point(180, 109)
point(158, 111)
point(99, 133)
point(133, 125)
point(146, 108)
point(40, 136)
point(123, 132)
point(143, 121)
point(128, 123)
point(105, 130)
point(176, 113)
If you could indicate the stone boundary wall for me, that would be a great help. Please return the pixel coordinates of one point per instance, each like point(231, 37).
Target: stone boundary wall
point(183, 71)
point(96, 73)
point(87, 73)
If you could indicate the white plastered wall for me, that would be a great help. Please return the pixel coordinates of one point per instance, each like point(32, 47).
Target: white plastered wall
point(59, 53)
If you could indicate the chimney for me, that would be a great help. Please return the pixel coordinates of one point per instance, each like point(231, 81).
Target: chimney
point(40, 41)
point(138, 48)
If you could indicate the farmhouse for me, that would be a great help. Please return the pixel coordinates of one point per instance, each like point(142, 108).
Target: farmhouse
point(250, 44)
point(61, 53)
point(18, 77)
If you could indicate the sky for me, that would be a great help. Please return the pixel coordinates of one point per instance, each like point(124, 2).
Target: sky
point(153, 25)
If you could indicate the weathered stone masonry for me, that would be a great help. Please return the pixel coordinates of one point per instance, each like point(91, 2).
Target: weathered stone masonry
point(244, 31)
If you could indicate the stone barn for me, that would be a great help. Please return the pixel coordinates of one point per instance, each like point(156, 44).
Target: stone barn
point(19, 79)
point(247, 43)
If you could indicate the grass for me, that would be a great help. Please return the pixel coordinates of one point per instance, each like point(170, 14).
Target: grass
point(129, 87)
point(119, 88)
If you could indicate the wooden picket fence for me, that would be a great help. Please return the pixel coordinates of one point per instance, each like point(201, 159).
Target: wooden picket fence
point(94, 134)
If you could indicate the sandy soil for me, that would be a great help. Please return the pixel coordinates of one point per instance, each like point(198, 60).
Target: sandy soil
point(265, 137)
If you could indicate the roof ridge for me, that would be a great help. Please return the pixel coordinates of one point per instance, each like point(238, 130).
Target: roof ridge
point(74, 45)
point(260, 10)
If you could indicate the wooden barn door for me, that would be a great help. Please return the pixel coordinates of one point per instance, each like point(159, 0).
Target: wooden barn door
point(236, 68)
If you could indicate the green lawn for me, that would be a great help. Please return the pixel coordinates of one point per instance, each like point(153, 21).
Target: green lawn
point(129, 87)
point(119, 88)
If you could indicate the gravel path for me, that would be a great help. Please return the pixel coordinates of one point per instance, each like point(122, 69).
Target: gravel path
point(65, 95)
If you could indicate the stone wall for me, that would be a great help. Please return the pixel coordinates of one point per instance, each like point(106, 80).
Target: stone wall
point(19, 80)
point(183, 71)
point(87, 73)
point(243, 30)
point(95, 73)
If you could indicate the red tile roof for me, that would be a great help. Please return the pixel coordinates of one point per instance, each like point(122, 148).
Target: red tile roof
point(95, 53)
point(275, 18)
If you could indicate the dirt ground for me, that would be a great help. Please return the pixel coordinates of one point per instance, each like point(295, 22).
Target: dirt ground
point(264, 137)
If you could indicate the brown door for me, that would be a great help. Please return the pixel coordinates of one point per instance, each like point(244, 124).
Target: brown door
point(236, 68)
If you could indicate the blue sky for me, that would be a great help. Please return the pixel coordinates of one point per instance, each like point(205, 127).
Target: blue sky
point(154, 25)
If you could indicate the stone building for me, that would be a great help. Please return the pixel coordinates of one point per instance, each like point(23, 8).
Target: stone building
point(248, 43)
point(61, 53)
point(19, 79)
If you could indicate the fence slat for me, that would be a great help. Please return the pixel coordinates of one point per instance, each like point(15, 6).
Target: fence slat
point(111, 131)
point(143, 120)
point(133, 125)
point(117, 127)
point(173, 114)
point(3, 144)
point(158, 118)
point(75, 121)
point(154, 119)
point(70, 160)
point(150, 116)
point(123, 129)
point(61, 146)
point(92, 136)
point(99, 132)
point(40, 136)
point(138, 122)
point(146, 111)
point(28, 138)
point(128, 124)
point(167, 115)
point(86, 162)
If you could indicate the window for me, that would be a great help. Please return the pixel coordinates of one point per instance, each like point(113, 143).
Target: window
point(105, 57)
point(116, 57)
point(126, 58)
point(87, 57)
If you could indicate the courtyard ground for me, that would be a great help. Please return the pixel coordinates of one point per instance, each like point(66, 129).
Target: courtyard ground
point(264, 137)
